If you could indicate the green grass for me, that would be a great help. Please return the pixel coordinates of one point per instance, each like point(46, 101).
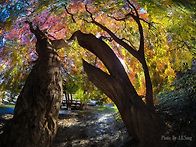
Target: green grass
point(105, 108)
point(7, 106)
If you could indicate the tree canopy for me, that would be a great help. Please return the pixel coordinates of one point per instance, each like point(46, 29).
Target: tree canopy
point(168, 30)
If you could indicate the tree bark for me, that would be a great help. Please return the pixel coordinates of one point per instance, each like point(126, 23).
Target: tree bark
point(141, 122)
point(148, 83)
point(138, 54)
point(36, 112)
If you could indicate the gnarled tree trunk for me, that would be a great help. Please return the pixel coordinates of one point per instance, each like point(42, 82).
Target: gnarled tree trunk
point(141, 121)
point(35, 118)
point(138, 54)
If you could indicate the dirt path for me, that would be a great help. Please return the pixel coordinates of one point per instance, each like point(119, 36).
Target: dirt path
point(90, 128)
point(95, 127)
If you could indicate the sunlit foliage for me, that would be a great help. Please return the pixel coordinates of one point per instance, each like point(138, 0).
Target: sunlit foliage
point(169, 38)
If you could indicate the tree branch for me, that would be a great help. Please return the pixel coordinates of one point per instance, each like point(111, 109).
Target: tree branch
point(96, 75)
point(73, 36)
point(30, 26)
point(127, 16)
point(37, 32)
point(136, 12)
point(129, 43)
point(137, 20)
point(116, 39)
point(91, 15)
point(141, 32)
point(72, 16)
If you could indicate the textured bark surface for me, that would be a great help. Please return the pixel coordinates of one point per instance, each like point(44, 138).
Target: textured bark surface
point(36, 112)
point(142, 123)
point(137, 53)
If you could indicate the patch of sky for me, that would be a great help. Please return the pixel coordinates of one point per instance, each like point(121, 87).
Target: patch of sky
point(4, 14)
point(142, 10)
point(14, 8)
point(2, 42)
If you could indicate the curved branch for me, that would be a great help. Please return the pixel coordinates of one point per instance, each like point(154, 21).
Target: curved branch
point(91, 15)
point(37, 32)
point(136, 12)
point(96, 75)
point(73, 36)
point(116, 39)
point(141, 32)
point(72, 16)
point(137, 20)
point(139, 54)
point(129, 15)
point(131, 44)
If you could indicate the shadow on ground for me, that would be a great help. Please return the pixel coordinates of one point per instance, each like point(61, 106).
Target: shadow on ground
point(91, 128)
point(94, 127)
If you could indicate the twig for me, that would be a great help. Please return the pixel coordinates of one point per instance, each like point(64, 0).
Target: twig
point(72, 16)
point(129, 43)
point(91, 15)
point(87, 21)
point(130, 15)
point(136, 12)
point(113, 36)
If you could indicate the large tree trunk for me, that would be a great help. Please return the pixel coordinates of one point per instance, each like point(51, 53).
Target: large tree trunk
point(138, 54)
point(36, 112)
point(142, 123)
